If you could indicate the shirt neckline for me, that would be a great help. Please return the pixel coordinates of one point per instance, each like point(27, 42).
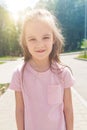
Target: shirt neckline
point(38, 73)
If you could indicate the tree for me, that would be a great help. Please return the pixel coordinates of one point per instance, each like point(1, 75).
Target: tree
point(8, 34)
point(72, 19)
point(70, 14)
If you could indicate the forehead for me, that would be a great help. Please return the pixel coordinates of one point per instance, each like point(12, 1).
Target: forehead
point(37, 26)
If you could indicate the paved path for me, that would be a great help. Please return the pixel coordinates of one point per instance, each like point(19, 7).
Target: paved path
point(6, 70)
point(7, 111)
point(79, 68)
point(80, 113)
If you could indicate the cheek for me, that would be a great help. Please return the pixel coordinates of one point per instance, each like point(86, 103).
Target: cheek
point(29, 47)
point(49, 48)
point(50, 45)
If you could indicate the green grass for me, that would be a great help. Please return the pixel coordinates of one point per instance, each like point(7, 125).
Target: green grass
point(2, 62)
point(6, 58)
point(3, 88)
point(82, 56)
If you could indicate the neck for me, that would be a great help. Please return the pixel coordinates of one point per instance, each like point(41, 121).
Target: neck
point(39, 65)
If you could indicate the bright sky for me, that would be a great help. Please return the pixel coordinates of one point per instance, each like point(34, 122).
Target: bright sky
point(17, 5)
point(14, 6)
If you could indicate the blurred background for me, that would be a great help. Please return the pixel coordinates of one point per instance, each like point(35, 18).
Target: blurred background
point(71, 14)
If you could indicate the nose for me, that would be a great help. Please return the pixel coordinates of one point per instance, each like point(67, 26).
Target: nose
point(39, 43)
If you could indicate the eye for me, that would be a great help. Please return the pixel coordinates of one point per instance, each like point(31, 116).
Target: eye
point(46, 37)
point(32, 39)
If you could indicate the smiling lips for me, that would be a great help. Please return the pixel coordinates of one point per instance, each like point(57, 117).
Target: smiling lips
point(40, 51)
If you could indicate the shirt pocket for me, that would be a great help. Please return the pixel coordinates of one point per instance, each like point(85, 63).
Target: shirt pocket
point(55, 95)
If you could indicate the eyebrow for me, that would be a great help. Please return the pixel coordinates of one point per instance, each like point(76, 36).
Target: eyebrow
point(49, 34)
point(30, 36)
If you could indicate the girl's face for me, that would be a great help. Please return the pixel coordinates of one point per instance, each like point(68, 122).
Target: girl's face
point(39, 39)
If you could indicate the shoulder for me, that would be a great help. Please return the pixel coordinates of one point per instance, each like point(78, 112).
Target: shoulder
point(63, 68)
point(65, 74)
point(16, 80)
point(66, 71)
point(67, 77)
point(19, 68)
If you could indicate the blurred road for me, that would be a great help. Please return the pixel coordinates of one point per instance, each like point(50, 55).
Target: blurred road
point(79, 68)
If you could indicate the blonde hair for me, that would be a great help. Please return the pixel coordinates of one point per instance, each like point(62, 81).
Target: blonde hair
point(58, 37)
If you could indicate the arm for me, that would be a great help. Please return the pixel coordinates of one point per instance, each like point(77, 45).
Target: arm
point(19, 110)
point(68, 109)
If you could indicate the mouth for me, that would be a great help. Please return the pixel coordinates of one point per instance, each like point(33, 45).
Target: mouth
point(40, 51)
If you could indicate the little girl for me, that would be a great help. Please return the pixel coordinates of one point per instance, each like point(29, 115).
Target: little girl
point(42, 84)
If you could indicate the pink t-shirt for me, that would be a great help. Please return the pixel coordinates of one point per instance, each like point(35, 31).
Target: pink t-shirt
point(43, 96)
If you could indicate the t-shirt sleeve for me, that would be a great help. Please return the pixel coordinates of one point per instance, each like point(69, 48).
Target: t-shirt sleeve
point(68, 78)
point(15, 83)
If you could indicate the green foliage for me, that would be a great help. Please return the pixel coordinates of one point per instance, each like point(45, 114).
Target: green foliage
point(9, 44)
point(2, 62)
point(70, 14)
point(8, 58)
point(3, 88)
point(83, 55)
point(4, 85)
point(84, 44)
